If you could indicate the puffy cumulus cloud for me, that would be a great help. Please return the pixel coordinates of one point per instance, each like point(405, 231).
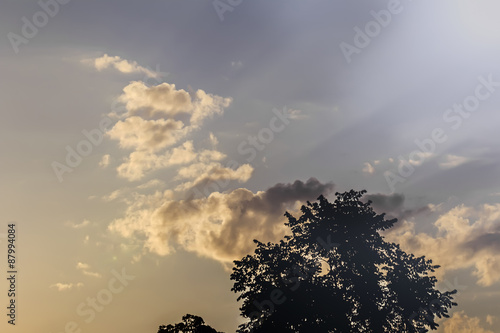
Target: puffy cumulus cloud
point(466, 238)
point(139, 163)
point(221, 226)
point(150, 128)
point(121, 65)
point(140, 134)
point(204, 174)
point(163, 99)
point(206, 106)
point(66, 286)
point(461, 323)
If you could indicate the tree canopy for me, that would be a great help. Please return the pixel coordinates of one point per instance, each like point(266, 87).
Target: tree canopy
point(189, 324)
point(336, 273)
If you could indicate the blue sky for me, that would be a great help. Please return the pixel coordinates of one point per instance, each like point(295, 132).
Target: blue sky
point(185, 92)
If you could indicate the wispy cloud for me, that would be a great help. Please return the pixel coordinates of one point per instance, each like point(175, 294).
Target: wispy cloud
point(461, 323)
point(85, 269)
point(105, 160)
point(66, 286)
point(121, 65)
point(368, 168)
point(83, 224)
point(452, 161)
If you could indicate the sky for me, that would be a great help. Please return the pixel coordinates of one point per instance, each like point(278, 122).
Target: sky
point(146, 144)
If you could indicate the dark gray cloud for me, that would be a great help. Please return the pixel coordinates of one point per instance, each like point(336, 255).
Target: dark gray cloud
point(298, 190)
point(393, 205)
point(485, 241)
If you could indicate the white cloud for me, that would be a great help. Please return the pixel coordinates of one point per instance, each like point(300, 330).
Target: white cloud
point(491, 319)
point(206, 106)
point(203, 174)
point(213, 140)
point(461, 323)
point(66, 286)
point(162, 99)
point(152, 183)
point(466, 237)
point(452, 161)
point(140, 134)
point(221, 226)
point(78, 225)
point(105, 160)
point(236, 64)
point(85, 270)
point(121, 65)
point(139, 163)
point(368, 168)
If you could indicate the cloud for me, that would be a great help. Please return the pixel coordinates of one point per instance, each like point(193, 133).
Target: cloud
point(298, 190)
point(140, 162)
point(105, 160)
point(165, 100)
point(213, 140)
point(140, 134)
point(78, 225)
point(150, 138)
point(206, 106)
point(368, 168)
point(491, 319)
point(221, 226)
point(203, 174)
point(121, 65)
point(85, 268)
point(393, 205)
point(66, 286)
point(296, 114)
point(461, 323)
point(152, 183)
point(236, 64)
point(452, 161)
point(466, 238)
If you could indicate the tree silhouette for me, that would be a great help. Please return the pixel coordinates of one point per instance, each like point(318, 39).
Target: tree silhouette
point(189, 324)
point(335, 273)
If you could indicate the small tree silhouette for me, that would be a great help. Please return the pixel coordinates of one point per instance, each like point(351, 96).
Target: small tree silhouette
point(335, 273)
point(189, 324)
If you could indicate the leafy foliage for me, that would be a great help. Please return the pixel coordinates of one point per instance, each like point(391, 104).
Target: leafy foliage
point(335, 273)
point(189, 324)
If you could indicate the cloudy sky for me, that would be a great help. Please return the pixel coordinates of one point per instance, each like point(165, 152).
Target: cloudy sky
point(145, 144)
